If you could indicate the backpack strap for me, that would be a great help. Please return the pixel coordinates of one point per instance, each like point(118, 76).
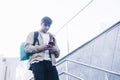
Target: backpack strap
point(36, 37)
point(54, 40)
point(35, 40)
point(52, 37)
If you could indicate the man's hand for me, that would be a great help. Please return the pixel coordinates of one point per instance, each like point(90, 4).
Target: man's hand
point(46, 47)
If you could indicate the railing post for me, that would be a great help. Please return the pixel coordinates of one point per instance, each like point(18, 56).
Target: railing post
point(106, 76)
point(66, 65)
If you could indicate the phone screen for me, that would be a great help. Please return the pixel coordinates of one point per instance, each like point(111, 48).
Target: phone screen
point(51, 43)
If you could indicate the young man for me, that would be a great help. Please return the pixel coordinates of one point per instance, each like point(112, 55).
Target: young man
point(43, 54)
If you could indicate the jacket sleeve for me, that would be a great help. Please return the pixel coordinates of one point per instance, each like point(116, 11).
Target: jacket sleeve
point(29, 47)
point(57, 52)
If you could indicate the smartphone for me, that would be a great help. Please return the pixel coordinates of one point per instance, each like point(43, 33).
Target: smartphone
point(51, 43)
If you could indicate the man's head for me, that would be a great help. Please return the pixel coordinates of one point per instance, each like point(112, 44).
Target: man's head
point(46, 20)
point(46, 23)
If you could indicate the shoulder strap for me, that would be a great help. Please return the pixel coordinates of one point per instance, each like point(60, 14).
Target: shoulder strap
point(52, 38)
point(36, 37)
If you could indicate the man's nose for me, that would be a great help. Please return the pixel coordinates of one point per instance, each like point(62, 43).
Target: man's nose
point(47, 27)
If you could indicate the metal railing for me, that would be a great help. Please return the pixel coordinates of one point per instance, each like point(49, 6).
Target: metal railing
point(70, 75)
point(90, 66)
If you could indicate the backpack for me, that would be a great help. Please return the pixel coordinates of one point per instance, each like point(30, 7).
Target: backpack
point(24, 55)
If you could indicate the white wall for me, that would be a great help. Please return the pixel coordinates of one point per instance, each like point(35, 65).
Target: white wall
point(8, 68)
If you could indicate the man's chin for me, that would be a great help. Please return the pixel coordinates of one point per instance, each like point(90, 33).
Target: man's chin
point(45, 31)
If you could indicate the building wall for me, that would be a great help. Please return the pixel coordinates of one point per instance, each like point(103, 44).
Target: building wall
point(103, 51)
point(2, 68)
point(8, 68)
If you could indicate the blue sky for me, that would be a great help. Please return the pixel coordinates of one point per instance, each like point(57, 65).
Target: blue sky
point(19, 17)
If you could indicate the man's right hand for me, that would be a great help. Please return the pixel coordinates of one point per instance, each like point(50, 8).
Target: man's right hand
point(46, 47)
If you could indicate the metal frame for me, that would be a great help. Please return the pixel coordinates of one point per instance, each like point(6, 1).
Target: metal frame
point(87, 65)
point(71, 75)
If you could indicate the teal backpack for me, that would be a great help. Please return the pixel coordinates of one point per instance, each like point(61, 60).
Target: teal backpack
point(23, 54)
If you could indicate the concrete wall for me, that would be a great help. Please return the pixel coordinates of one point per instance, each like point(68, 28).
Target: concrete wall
point(103, 51)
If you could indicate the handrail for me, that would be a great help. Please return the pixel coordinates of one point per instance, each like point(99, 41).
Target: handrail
point(60, 62)
point(91, 66)
point(71, 75)
point(98, 68)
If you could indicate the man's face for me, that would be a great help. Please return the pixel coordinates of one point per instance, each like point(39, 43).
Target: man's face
point(45, 27)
